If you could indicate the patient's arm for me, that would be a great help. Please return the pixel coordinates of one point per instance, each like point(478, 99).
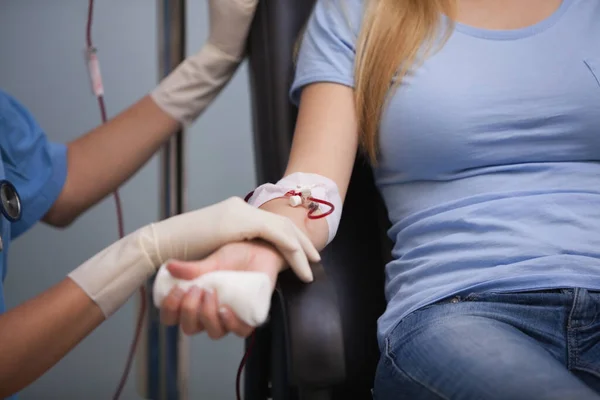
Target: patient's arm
point(325, 143)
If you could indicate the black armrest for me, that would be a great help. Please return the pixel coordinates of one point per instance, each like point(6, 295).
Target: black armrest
point(312, 328)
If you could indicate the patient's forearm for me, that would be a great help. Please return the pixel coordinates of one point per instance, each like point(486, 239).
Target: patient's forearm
point(326, 121)
point(316, 229)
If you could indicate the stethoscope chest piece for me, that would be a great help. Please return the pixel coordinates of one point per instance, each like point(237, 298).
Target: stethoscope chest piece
point(10, 201)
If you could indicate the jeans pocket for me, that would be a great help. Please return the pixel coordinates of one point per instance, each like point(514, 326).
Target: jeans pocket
point(594, 67)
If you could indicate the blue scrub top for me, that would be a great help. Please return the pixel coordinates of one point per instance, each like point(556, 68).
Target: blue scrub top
point(35, 166)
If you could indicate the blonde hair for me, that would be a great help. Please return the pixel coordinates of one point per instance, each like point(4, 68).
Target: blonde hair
point(393, 35)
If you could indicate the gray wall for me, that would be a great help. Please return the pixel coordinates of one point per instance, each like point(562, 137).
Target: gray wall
point(42, 64)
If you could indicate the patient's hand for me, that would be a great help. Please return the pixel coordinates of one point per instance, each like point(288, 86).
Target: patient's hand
point(198, 311)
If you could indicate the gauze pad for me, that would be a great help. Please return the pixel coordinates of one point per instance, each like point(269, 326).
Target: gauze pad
point(246, 293)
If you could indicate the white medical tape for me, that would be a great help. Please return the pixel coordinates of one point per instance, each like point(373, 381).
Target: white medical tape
point(321, 188)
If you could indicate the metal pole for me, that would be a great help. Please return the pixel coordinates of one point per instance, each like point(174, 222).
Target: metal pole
point(163, 357)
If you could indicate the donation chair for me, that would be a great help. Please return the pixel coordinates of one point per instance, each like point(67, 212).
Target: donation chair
point(320, 341)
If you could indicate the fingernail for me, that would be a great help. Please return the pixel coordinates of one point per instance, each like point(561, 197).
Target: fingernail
point(207, 295)
point(178, 293)
point(307, 276)
point(223, 315)
point(195, 292)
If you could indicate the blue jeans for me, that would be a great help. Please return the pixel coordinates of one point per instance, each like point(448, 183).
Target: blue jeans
point(530, 346)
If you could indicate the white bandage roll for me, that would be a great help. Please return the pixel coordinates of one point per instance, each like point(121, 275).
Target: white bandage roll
point(320, 186)
point(246, 293)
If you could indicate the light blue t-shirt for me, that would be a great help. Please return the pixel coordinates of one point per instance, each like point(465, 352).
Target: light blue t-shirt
point(490, 155)
point(36, 167)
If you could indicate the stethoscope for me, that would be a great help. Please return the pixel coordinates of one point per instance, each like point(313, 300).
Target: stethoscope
point(10, 201)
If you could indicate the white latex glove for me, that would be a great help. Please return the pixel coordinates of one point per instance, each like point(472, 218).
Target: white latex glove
point(193, 85)
point(112, 276)
point(229, 25)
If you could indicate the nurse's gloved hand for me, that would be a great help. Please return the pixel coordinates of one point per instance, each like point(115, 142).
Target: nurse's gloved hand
point(112, 276)
point(230, 22)
point(193, 85)
point(199, 310)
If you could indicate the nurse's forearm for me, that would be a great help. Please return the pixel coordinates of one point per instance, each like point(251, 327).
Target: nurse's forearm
point(103, 159)
point(37, 334)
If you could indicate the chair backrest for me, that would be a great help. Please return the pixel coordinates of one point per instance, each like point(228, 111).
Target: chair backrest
point(271, 45)
point(355, 260)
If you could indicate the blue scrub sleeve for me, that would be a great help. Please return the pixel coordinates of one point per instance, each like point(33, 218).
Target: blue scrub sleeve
point(34, 165)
